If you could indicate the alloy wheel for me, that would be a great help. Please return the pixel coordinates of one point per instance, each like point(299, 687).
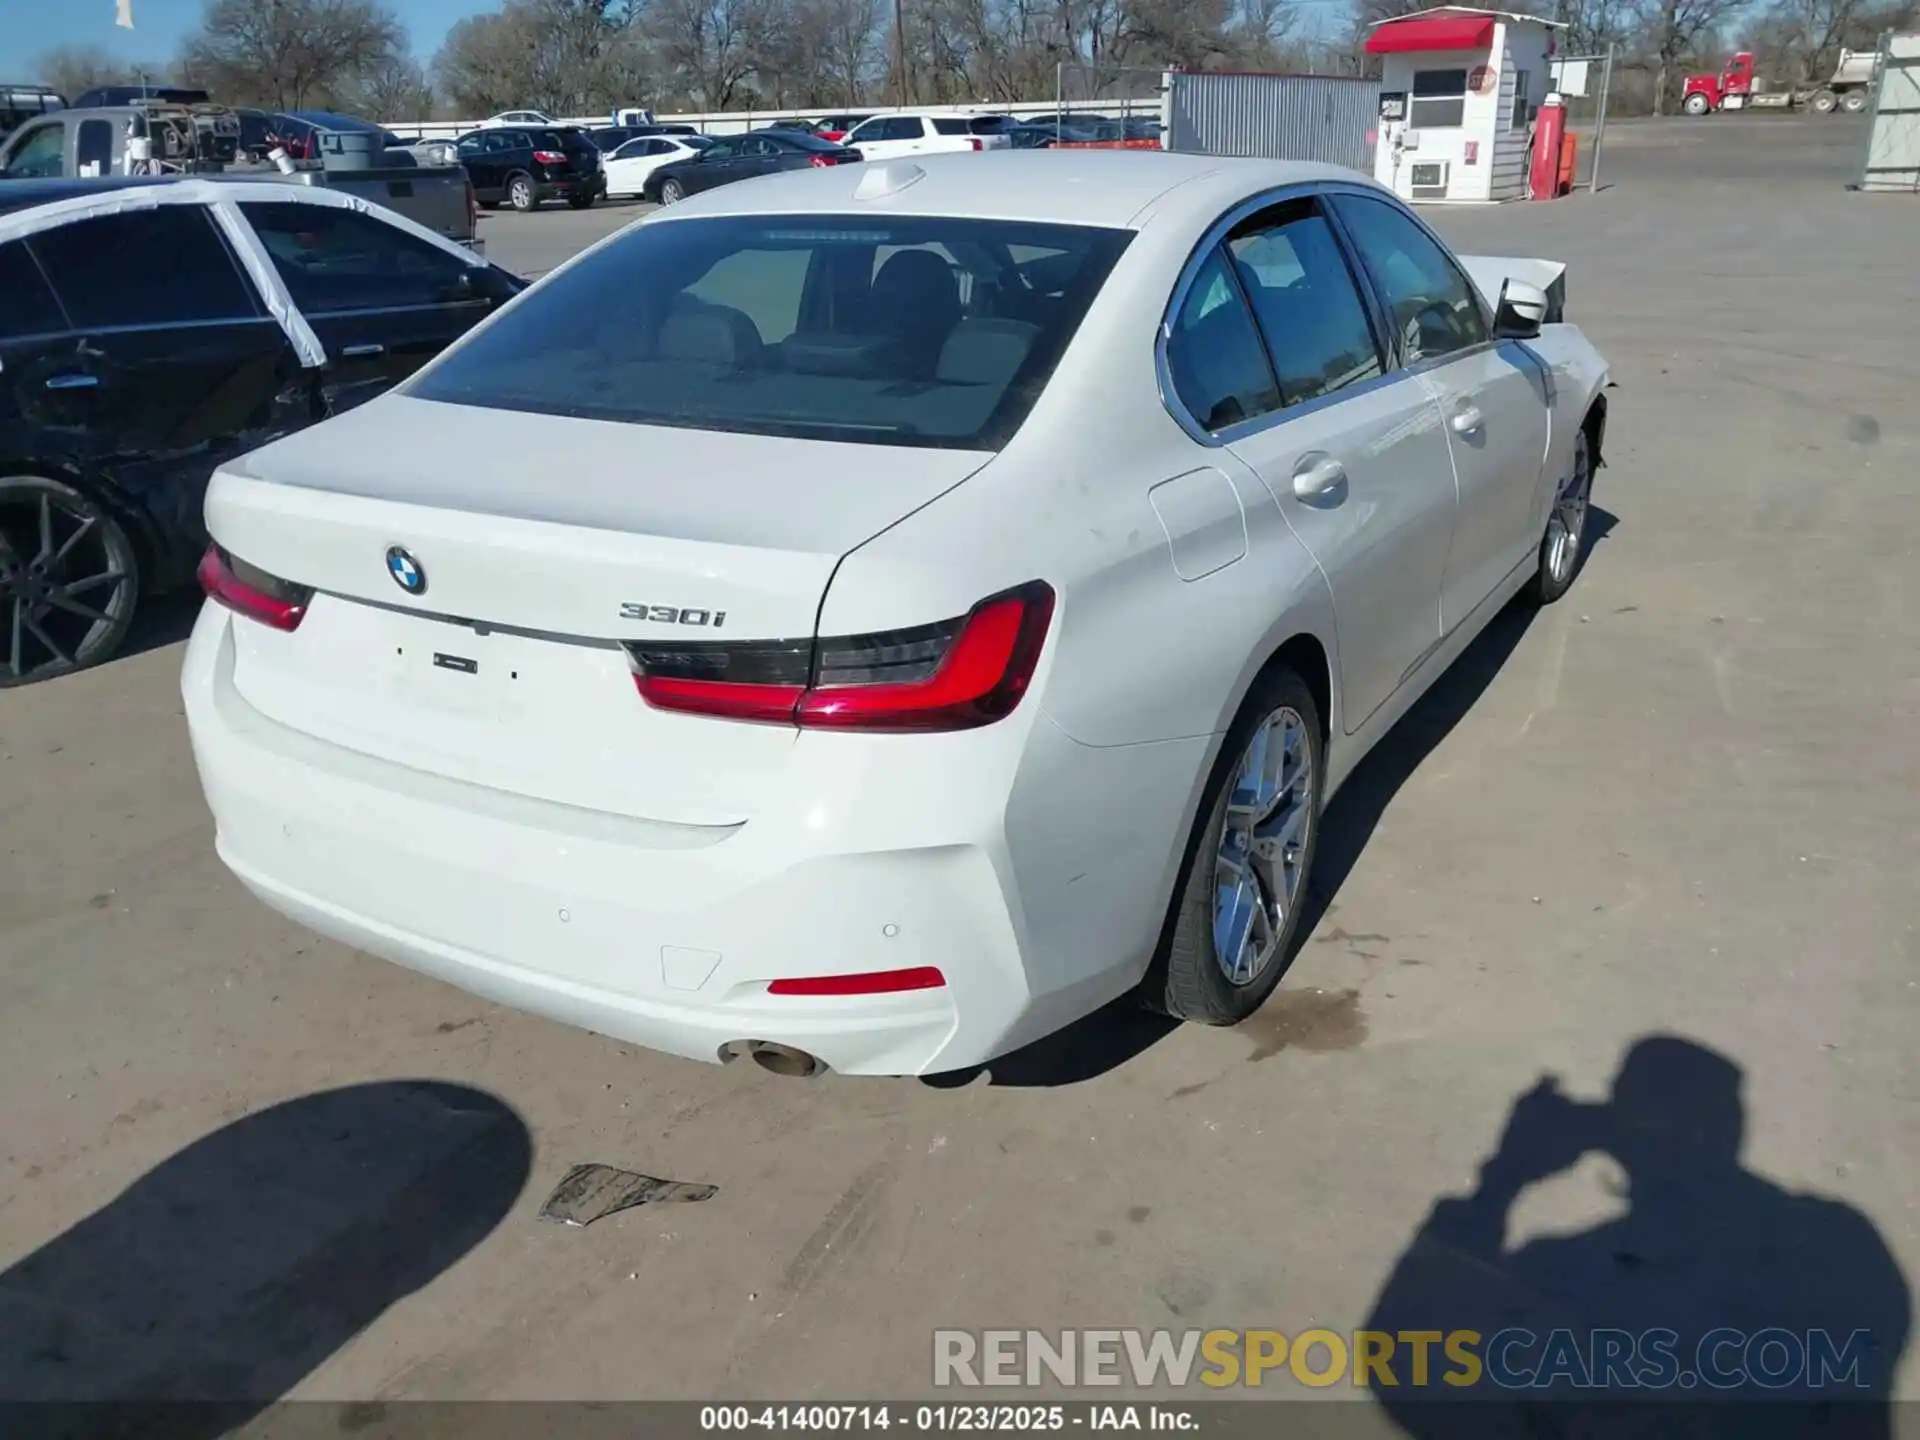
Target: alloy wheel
point(1258, 870)
point(1568, 522)
point(67, 585)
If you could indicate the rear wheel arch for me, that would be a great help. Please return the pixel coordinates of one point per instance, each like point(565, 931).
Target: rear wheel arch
point(1595, 424)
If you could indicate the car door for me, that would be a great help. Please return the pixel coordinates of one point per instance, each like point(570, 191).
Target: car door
point(382, 302)
point(480, 165)
point(719, 163)
point(1274, 350)
point(170, 364)
point(760, 155)
point(628, 166)
point(36, 152)
point(1492, 395)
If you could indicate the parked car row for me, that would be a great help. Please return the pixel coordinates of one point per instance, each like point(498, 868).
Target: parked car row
point(141, 346)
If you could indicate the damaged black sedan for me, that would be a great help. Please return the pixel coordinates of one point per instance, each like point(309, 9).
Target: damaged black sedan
point(152, 328)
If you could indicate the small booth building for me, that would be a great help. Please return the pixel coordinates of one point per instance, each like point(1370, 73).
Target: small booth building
point(1459, 89)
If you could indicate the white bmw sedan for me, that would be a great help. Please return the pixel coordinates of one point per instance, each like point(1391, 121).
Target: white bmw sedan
point(869, 617)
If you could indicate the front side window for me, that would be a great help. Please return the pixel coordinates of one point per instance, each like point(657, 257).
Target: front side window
point(30, 308)
point(334, 260)
point(1218, 366)
point(1439, 100)
point(1304, 296)
point(851, 328)
point(1432, 306)
point(163, 266)
point(40, 155)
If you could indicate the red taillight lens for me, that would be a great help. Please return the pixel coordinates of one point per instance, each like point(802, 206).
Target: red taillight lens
point(252, 592)
point(549, 157)
point(878, 982)
point(976, 143)
point(823, 162)
point(951, 676)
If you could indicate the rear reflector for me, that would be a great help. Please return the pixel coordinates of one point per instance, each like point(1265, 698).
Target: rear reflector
point(879, 982)
point(252, 592)
point(951, 676)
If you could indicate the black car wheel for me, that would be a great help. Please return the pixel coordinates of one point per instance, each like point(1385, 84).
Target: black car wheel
point(671, 193)
point(521, 194)
point(581, 199)
point(69, 580)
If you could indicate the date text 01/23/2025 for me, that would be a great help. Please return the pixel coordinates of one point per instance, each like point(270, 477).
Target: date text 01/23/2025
point(941, 1419)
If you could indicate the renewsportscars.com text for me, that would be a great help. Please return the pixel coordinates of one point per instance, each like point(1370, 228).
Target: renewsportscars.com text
point(1511, 1359)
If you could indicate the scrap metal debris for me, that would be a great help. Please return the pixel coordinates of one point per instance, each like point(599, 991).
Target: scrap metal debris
point(589, 1192)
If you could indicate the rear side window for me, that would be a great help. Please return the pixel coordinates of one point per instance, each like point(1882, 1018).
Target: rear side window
point(956, 126)
point(1214, 356)
point(93, 147)
point(163, 266)
point(30, 308)
point(1304, 297)
point(850, 328)
point(335, 260)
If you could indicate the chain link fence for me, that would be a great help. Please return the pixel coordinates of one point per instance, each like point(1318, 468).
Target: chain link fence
point(1892, 161)
point(1585, 83)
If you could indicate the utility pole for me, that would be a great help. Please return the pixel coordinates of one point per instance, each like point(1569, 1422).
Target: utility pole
point(900, 47)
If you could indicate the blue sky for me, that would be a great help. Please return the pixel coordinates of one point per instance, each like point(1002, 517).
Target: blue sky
point(36, 26)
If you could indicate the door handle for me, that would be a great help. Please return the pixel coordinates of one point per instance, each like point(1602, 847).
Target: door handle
point(72, 382)
point(1318, 476)
point(1466, 420)
point(362, 352)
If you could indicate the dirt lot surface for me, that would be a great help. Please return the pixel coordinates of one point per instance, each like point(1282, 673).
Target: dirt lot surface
point(1683, 803)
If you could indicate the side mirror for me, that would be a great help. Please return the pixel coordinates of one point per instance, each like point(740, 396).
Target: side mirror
point(1521, 311)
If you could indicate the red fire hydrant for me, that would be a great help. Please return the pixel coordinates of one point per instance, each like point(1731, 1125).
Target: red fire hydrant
point(1549, 127)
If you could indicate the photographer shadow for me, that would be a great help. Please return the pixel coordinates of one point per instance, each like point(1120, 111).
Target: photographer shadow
point(219, 1279)
point(1787, 1312)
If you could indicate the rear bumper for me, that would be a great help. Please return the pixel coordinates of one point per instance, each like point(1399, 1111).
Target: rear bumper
point(662, 935)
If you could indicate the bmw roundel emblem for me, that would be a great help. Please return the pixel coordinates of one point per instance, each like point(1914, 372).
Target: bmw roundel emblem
point(407, 572)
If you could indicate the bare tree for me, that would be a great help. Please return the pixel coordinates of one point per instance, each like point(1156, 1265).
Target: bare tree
point(394, 89)
point(286, 54)
point(71, 69)
point(705, 47)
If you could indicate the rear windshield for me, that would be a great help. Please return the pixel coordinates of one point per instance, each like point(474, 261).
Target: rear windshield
point(907, 330)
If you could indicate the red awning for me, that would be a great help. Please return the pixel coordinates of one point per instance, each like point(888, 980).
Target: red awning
point(1431, 32)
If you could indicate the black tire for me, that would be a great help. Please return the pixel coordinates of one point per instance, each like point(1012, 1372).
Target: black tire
point(1697, 105)
point(1854, 101)
point(522, 193)
point(1186, 980)
point(671, 193)
point(489, 204)
point(1555, 577)
point(1824, 102)
point(581, 202)
point(69, 580)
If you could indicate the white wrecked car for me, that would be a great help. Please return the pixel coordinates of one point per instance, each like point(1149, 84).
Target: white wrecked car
point(870, 617)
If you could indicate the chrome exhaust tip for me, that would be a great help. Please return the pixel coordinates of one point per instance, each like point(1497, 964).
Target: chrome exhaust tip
point(773, 1058)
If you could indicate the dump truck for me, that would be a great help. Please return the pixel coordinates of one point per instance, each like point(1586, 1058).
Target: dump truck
point(1849, 88)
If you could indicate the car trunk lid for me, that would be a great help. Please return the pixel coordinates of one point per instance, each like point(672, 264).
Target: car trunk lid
point(541, 544)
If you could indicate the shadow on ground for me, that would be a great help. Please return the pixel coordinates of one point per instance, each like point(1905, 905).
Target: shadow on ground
point(1785, 1309)
point(1114, 1035)
point(211, 1285)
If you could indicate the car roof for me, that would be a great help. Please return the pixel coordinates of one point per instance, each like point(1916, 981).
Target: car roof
point(18, 195)
point(1086, 187)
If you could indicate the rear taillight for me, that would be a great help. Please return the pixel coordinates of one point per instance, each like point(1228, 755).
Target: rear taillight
point(549, 157)
point(974, 142)
point(952, 676)
point(252, 592)
point(823, 162)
